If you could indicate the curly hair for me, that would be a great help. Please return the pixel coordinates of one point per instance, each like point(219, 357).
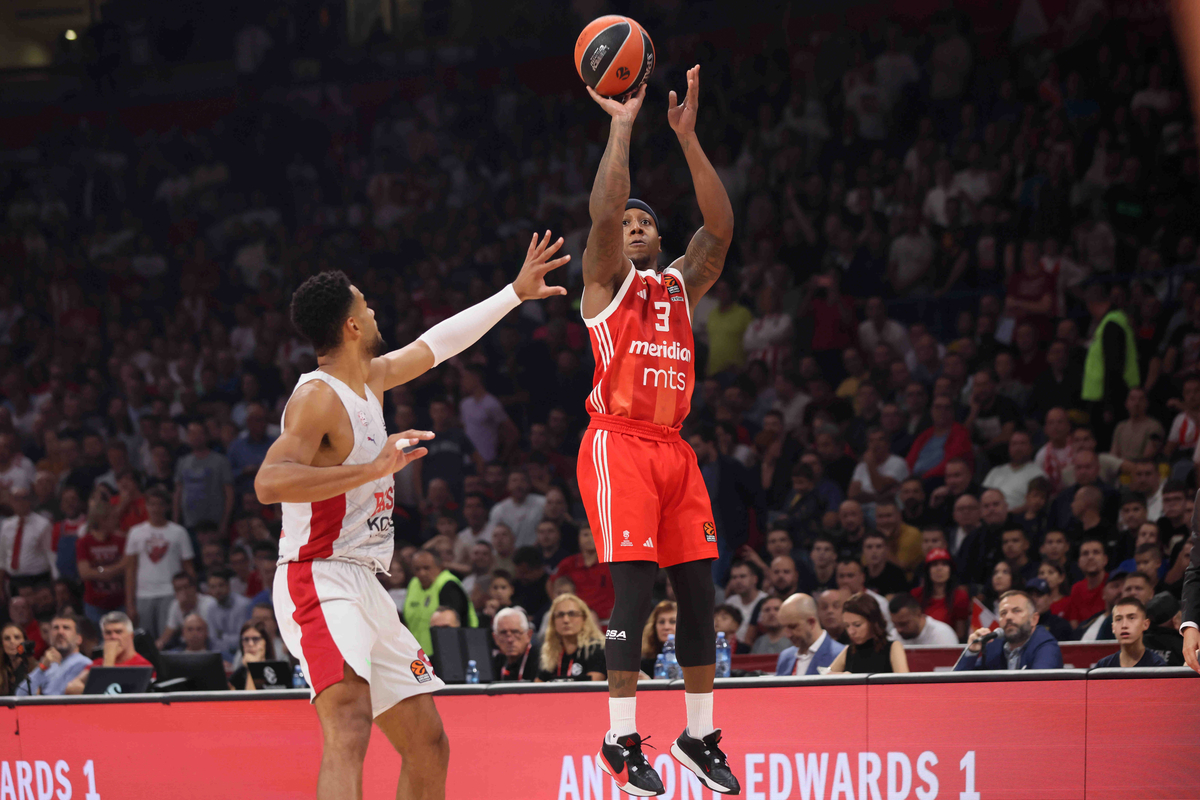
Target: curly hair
point(319, 307)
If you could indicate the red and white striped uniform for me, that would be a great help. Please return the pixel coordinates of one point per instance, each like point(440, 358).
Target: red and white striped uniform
point(354, 526)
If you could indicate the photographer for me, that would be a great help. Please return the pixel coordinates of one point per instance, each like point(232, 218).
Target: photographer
point(1023, 645)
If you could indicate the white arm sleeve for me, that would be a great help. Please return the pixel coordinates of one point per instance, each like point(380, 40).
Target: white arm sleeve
point(451, 336)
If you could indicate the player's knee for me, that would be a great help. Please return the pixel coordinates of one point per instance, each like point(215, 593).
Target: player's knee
point(347, 725)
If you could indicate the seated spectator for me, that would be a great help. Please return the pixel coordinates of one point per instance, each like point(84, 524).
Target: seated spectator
point(1065, 508)
point(118, 649)
point(812, 648)
point(574, 647)
point(193, 636)
point(804, 507)
point(1001, 581)
point(659, 626)
point(521, 511)
point(1035, 519)
point(500, 593)
point(445, 617)
point(939, 594)
point(266, 615)
point(1148, 561)
point(942, 441)
point(852, 576)
point(254, 645)
point(188, 600)
point(1100, 626)
point(482, 561)
point(1055, 549)
point(1055, 578)
point(100, 560)
point(1059, 628)
point(550, 544)
point(1131, 438)
point(505, 546)
point(1129, 622)
point(19, 661)
point(991, 417)
point(61, 663)
point(20, 613)
point(529, 582)
point(851, 527)
point(903, 540)
point(882, 576)
point(916, 627)
point(914, 504)
point(431, 588)
point(823, 556)
point(1176, 519)
point(477, 529)
point(1086, 599)
point(1147, 481)
point(871, 650)
point(771, 638)
point(1025, 645)
point(1088, 521)
point(593, 584)
point(743, 593)
point(515, 659)
point(727, 620)
point(1014, 546)
point(1013, 477)
point(1163, 636)
point(784, 578)
point(878, 475)
point(829, 610)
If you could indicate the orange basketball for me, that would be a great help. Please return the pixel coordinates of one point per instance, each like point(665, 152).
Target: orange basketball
point(614, 55)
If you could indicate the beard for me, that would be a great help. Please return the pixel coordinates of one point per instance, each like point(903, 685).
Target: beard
point(375, 347)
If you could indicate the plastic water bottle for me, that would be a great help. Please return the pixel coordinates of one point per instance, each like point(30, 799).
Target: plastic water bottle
point(722, 656)
point(298, 681)
point(673, 670)
point(660, 666)
point(472, 672)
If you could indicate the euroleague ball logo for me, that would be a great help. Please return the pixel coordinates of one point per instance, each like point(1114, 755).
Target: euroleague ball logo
point(623, 73)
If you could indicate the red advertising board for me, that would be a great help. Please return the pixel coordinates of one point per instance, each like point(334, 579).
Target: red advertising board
point(1005, 740)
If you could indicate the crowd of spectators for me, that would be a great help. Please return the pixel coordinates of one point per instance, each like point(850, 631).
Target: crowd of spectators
point(953, 354)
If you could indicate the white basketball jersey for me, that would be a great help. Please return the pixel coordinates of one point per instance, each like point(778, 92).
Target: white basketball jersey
point(355, 526)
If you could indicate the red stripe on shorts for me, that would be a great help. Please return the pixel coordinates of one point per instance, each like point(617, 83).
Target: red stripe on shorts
point(323, 528)
point(316, 642)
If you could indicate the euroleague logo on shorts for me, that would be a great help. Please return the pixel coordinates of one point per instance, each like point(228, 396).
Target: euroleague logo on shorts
point(421, 668)
point(710, 532)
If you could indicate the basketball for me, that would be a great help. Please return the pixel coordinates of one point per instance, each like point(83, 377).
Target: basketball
point(614, 56)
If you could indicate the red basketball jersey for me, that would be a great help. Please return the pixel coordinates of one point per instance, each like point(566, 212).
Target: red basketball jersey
point(644, 351)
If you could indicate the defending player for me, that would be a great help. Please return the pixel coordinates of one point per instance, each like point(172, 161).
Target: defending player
point(645, 498)
point(332, 468)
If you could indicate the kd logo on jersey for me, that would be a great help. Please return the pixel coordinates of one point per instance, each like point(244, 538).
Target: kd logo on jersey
point(710, 532)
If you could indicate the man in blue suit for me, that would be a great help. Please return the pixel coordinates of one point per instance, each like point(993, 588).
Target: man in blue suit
point(811, 646)
point(1024, 645)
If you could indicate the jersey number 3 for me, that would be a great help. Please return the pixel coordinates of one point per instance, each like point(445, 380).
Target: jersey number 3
point(663, 311)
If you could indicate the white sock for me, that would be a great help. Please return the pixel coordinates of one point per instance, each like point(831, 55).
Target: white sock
point(699, 714)
point(622, 713)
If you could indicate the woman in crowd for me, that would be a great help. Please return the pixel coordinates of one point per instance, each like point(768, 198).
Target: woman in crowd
point(869, 650)
point(17, 665)
point(1056, 578)
point(1000, 582)
point(940, 595)
point(256, 646)
point(659, 626)
point(574, 648)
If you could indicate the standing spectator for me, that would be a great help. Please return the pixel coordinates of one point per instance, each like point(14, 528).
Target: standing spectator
point(66, 532)
point(515, 657)
point(870, 650)
point(726, 325)
point(226, 616)
point(117, 629)
point(939, 594)
point(942, 441)
point(155, 551)
point(26, 557)
point(61, 663)
point(188, 601)
point(593, 584)
point(100, 555)
point(659, 626)
point(16, 470)
point(771, 638)
point(483, 416)
point(1025, 645)
point(431, 588)
point(521, 511)
point(1130, 623)
point(250, 448)
point(574, 647)
point(1111, 367)
point(813, 648)
point(1013, 478)
point(203, 483)
point(915, 627)
point(1087, 596)
point(910, 256)
point(254, 646)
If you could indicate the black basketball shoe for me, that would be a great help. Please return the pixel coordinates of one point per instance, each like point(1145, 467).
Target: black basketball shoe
point(704, 757)
point(627, 765)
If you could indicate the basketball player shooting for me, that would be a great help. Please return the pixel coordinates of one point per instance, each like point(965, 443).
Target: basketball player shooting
point(645, 497)
point(332, 469)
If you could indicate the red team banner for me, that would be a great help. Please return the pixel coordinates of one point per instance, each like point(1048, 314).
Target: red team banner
point(996, 740)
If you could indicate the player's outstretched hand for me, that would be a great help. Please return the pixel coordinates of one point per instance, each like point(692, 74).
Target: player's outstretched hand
point(392, 458)
point(626, 111)
point(683, 117)
point(531, 283)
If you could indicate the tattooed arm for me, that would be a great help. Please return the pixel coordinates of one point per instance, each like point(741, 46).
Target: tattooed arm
point(604, 261)
point(705, 257)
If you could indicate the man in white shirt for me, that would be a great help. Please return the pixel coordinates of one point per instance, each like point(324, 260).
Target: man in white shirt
point(1146, 479)
point(878, 328)
point(1013, 478)
point(917, 628)
point(943, 189)
point(481, 413)
point(475, 514)
point(790, 401)
point(188, 601)
point(155, 551)
point(26, 557)
point(16, 470)
point(521, 511)
point(879, 474)
point(743, 593)
point(910, 255)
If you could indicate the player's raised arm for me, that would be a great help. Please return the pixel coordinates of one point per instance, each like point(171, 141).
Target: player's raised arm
point(701, 265)
point(451, 336)
point(604, 261)
point(288, 473)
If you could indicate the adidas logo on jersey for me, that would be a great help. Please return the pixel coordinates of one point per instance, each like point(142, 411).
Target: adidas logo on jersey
point(642, 294)
point(649, 542)
point(616, 636)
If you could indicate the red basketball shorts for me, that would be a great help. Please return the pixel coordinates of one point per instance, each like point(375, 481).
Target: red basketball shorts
point(644, 495)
